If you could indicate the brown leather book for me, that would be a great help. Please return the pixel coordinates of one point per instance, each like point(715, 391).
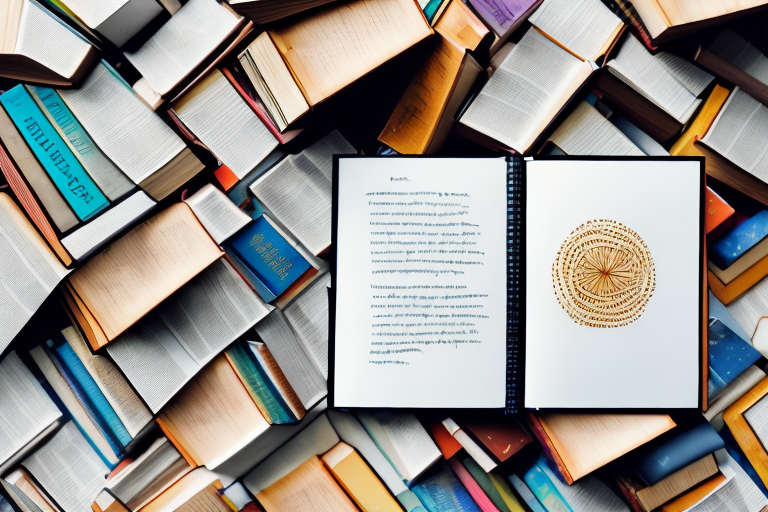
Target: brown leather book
point(503, 437)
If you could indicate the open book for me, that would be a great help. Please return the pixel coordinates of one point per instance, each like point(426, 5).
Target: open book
point(462, 267)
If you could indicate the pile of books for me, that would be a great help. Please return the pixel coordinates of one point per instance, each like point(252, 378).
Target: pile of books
point(211, 293)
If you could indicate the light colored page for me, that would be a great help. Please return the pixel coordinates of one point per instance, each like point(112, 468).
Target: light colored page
point(692, 77)
point(680, 12)
point(68, 469)
point(750, 307)
point(735, 390)
point(595, 362)
point(316, 439)
point(30, 270)
point(587, 495)
point(222, 120)
point(217, 213)
point(738, 494)
point(85, 239)
point(739, 131)
point(648, 76)
point(421, 287)
point(308, 315)
point(44, 39)
point(130, 133)
point(211, 311)
point(757, 417)
point(93, 13)
point(526, 92)
point(585, 27)
point(353, 433)
point(587, 132)
point(25, 408)
point(153, 361)
point(123, 399)
point(736, 50)
point(182, 43)
point(300, 368)
point(298, 191)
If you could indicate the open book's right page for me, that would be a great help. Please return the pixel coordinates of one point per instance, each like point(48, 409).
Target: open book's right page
point(613, 283)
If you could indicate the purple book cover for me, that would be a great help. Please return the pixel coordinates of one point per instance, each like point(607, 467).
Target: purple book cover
point(501, 14)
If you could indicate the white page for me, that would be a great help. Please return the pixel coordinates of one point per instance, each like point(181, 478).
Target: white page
point(182, 43)
point(308, 315)
point(364, 379)
point(733, 48)
point(572, 365)
point(689, 75)
point(217, 213)
point(93, 13)
point(587, 132)
point(588, 494)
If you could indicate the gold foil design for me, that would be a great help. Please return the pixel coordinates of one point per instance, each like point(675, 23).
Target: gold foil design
point(604, 274)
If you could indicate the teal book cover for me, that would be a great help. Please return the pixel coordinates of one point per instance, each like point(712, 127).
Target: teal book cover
point(444, 492)
point(256, 379)
point(544, 490)
point(63, 167)
point(271, 258)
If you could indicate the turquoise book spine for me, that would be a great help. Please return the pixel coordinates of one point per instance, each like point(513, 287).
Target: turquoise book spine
point(62, 166)
point(547, 494)
point(525, 493)
point(259, 382)
point(91, 390)
point(117, 450)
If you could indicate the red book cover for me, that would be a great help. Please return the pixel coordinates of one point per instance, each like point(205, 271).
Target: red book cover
point(502, 437)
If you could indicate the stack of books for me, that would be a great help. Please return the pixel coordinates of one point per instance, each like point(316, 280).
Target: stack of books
point(232, 280)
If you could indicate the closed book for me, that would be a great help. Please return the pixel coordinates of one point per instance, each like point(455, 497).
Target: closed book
point(525, 493)
point(447, 444)
point(258, 384)
point(272, 371)
point(485, 482)
point(503, 437)
point(736, 243)
point(268, 255)
point(729, 356)
point(444, 491)
point(659, 460)
point(474, 490)
point(63, 168)
point(358, 480)
point(717, 210)
point(91, 390)
point(546, 492)
point(506, 493)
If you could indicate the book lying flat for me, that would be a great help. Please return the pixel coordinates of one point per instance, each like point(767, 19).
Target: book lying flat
point(460, 267)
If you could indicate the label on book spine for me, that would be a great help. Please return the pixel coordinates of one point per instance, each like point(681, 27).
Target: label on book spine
point(64, 169)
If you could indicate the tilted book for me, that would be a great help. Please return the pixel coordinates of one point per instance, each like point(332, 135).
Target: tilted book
point(502, 283)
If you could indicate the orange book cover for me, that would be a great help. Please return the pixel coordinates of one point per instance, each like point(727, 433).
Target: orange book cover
point(443, 439)
point(184, 453)
point(716, 210)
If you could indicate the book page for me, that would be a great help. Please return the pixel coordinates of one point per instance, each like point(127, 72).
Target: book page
point(48, 41)
point(648, 76)
point(594, 362)
point(298, 191)
point(25, 408)
point(585, 27)
point(689, 75)
point(182, 43)
point(757, 417)
point(587, 132)
point(308, 315)
point(738, 494)
point(30, 270)
point(130, 133)
point(680, 12)
point(217, 213)
point(736, 50)
point(738, 131)
point(95, 13)
point(222, 120)
point(421, 284)
point(153, 360)
point(211, 311)
point(332, 48)
point(68, 469)
point(587, 495)
point(526, 92)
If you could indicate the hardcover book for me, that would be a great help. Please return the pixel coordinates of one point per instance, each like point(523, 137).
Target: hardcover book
point(456, 266)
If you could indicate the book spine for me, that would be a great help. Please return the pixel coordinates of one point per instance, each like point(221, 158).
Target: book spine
point(515, 284)
point(85, 404)
point(94, 394)
point(474, 489)
point(65, 171)
point(541, 486)
point(549, 448)
point(273, 374)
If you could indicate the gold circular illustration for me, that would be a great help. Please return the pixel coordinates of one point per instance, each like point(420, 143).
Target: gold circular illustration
point(604, 274)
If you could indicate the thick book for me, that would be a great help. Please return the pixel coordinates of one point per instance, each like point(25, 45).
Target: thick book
point(441, 261)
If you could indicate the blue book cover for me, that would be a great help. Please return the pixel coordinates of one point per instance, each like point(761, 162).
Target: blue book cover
point(544, 490)
point(660, 459)
point(61, 165)
point(268, 255)
point(742, 238)
point(525, 493)
point(113, 443)
point(251, 278)
point(728, 356)
point(444, 492)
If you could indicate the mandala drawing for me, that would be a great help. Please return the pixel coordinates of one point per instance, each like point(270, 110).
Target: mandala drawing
point(604, 274)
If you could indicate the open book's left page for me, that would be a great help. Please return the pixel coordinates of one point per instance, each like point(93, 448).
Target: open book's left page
point(421, 282)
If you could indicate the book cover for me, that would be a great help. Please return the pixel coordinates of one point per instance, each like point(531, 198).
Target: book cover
point(541, 486)
point(485, 482)
point(504, 437)
point(65, 171)
point(444, 491)
point(268, 255)
point(729, 356)
point(733, 245)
